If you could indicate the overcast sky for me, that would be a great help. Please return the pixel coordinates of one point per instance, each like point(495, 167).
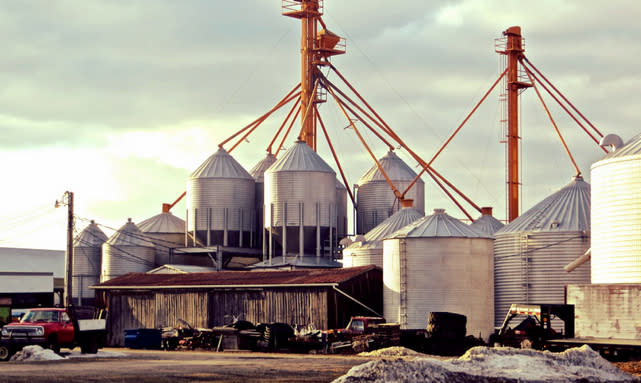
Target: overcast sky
point(119, 101)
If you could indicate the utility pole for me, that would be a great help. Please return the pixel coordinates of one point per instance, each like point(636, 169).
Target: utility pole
point(67, 199)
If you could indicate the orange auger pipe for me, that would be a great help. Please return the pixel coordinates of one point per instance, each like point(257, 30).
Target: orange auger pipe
point(378, 165)
point(331, 148)
point(166, 206)
point(556, 128)
point(271, 143)
point(289, 129)
point(530, 73)
point(447, 192)
point(562, 96)
point(260, 119)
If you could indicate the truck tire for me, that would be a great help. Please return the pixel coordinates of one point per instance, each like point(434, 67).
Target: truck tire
point(52, 344)
point(5, 352)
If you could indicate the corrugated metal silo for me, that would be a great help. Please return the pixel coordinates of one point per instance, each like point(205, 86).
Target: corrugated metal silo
point(220, 200)
point(300, 197)
point(438, 263)
point(87, 255)
point(258, 174)
point(166, 231)
point(127, 251)
point(486, 223)
point(369, 251)
point(616, 209)
point(531, 251)
point(376, 200)
point(341, 210)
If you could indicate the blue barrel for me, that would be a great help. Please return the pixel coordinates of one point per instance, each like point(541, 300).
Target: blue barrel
point(149, 338)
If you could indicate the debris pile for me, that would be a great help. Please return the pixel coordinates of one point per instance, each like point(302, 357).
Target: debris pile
point(35, 353)
point(390, 352)
point(496, 365)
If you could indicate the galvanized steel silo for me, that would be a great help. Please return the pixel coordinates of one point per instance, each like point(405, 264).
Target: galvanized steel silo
point(438, 264)
point(300, 203)
point(369, 250)
point(531, 251)
point(376, 200)
point(127, 251)
point(220, 202)
point(258, 174)
point(166, 231)
point(87, 256)
point(616, 209)
point(486, 223)
point(341, 210)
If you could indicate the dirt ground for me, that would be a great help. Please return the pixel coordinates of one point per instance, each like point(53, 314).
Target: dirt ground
point(142, 366)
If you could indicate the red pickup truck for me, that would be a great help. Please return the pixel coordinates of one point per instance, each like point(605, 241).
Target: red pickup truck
point(51, 328)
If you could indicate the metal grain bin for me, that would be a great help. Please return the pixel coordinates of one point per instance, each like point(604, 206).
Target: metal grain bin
point(616, 209)
point(300, 204)
point(167, 232)
point(531, 251)
point(376, 200)
point(87, 255)
point(486, 223)
point(369, 250)
point(128, 250)
point(258, 174)
point(220, 202)
point(438, 264)
point(341, 210)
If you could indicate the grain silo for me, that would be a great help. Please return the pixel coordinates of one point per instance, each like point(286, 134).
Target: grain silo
point(341, 210)
point(258, 174)
point(369, 249)
point(128, 250)
point(167, 232)
point(531, 251)
point(616, 209)
point(220, 202)
point(486, 223)
point(87, 255)
point(376, 200)
point(439, 264)
point(300, 204)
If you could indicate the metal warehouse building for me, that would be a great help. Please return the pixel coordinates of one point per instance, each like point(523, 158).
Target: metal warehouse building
point(324, 298)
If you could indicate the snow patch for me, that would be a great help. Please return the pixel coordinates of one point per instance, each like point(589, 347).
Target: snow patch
point(99, 354)
point(391, 352)
point(494, 365)
point(35, 353)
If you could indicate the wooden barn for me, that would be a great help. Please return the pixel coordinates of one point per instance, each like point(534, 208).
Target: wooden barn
point(324, 298)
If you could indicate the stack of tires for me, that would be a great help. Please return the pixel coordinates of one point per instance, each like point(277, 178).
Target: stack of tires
point(446, 334)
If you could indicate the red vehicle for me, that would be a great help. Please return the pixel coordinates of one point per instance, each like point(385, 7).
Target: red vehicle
point(359, 326)
point(51, 328)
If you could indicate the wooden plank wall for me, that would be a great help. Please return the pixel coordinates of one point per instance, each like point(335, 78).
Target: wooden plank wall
point(190, 306)
point(291, 305)
point(129, 311)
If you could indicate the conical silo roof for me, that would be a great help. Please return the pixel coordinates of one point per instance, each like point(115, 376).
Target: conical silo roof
point(258, 171)
point(339, 185)
point(486, 223)
point(129, 235)
point(438, 224)
point(91, 236)
point(162, 223)
point(400, 219)
point(220, 165)
point(395, 168)
point(568, 209)
point(300, 157)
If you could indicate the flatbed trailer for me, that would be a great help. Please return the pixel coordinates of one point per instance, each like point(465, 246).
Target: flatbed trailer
point(608, 347)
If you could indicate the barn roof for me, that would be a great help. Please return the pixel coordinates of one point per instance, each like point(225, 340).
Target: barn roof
point(222, 279)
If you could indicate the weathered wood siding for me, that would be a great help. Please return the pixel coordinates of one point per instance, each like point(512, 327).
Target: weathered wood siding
point(289, 305)
point(367, 289)
point(190, 306)
point(129, 311)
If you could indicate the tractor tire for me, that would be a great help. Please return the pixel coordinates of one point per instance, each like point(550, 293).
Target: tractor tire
point(446, 325)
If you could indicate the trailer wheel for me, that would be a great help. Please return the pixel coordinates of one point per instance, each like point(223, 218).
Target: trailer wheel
point(89, 346)
point(5, 352)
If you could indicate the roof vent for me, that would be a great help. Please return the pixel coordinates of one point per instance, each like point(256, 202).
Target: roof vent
point(439, 211)
point(612, 140)
point(554, 224)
